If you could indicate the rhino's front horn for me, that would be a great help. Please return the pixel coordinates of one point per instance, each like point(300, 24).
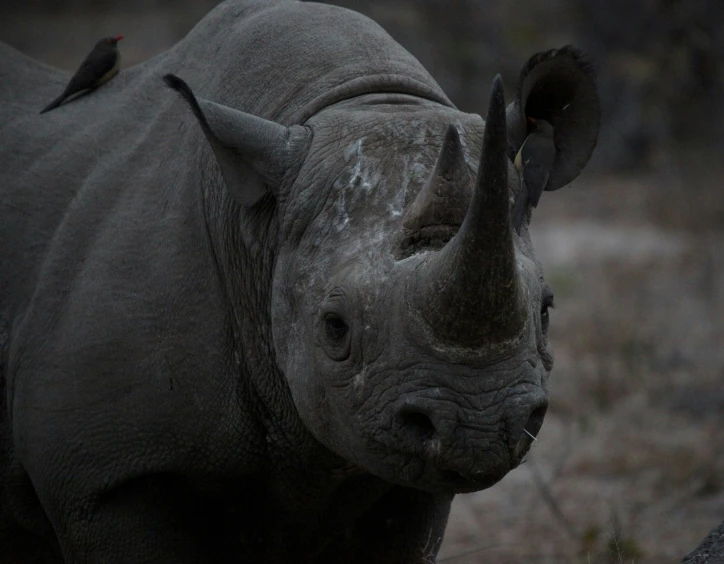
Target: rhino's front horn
point(469, 292)
point(253, 153)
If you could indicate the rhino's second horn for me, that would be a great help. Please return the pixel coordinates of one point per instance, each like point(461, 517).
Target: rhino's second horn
point(442, 203)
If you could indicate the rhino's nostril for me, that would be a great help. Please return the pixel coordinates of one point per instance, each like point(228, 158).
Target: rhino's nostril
point(535, 421)
point(416, 424)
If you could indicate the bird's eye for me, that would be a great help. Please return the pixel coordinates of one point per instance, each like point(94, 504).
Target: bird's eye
point(335, 328)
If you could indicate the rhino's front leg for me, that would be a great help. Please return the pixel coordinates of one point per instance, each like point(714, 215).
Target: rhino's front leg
point(148, 520)
point(405, 527)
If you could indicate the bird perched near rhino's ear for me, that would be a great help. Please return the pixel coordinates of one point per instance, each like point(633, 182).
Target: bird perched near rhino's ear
point(101, 64)
point(534, 163)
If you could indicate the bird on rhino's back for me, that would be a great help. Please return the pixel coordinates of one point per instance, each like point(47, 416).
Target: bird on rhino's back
point(101, 64)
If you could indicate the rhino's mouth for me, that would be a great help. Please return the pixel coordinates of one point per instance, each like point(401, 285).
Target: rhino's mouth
point(455, 478)
point(478, 468)
point(465, 484)
point(437, 477)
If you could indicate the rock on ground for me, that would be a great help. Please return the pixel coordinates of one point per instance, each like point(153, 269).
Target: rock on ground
point(711, 549)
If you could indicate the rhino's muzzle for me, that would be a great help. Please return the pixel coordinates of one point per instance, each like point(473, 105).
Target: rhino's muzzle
point(469, 292)
point(454, 449)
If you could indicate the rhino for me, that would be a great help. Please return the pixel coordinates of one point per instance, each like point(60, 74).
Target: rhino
point(277, 312)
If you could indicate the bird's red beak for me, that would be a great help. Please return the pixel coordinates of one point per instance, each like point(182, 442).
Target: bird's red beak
point(118, 37)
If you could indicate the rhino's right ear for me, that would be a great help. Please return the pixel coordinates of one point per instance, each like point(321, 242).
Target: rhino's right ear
point(557, 86)
point(254, 154)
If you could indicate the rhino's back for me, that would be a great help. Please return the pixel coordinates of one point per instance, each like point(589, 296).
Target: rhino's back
point(73, 161)
point(278, 59)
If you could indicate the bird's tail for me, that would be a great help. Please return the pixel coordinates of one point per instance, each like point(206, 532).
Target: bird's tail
point(520, 207)
point(54, 104)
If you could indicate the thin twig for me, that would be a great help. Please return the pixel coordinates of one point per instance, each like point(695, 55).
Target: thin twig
point(550, 501)
point(564, 456)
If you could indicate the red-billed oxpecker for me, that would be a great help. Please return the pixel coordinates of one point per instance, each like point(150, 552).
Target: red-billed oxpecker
point(534, 163)
point(101, 64)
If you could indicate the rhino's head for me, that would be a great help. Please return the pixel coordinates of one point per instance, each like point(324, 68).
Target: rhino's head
point(408, 317)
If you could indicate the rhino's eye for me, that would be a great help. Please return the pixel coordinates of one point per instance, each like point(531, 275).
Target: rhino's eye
point(335, 328)
point(334, 335)
point(545, 317)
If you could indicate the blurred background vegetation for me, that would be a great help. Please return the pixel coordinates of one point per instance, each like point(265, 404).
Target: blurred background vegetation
point(630, 462)
point(661, 62)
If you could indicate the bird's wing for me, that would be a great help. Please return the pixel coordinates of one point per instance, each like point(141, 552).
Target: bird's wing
point(95, 65)
point(536, 179)
point(520, 208)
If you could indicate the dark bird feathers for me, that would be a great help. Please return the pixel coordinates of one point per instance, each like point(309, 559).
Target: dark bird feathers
point(99, 66)
point(534, 163)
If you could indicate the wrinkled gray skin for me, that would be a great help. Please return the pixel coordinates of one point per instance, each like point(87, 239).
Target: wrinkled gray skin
point(178, 382)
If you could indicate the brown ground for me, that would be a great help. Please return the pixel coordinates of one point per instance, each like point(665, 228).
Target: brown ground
point(629, 466)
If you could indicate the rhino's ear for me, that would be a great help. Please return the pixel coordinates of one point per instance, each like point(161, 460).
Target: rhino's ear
point(559, 87)
point(254, 154)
